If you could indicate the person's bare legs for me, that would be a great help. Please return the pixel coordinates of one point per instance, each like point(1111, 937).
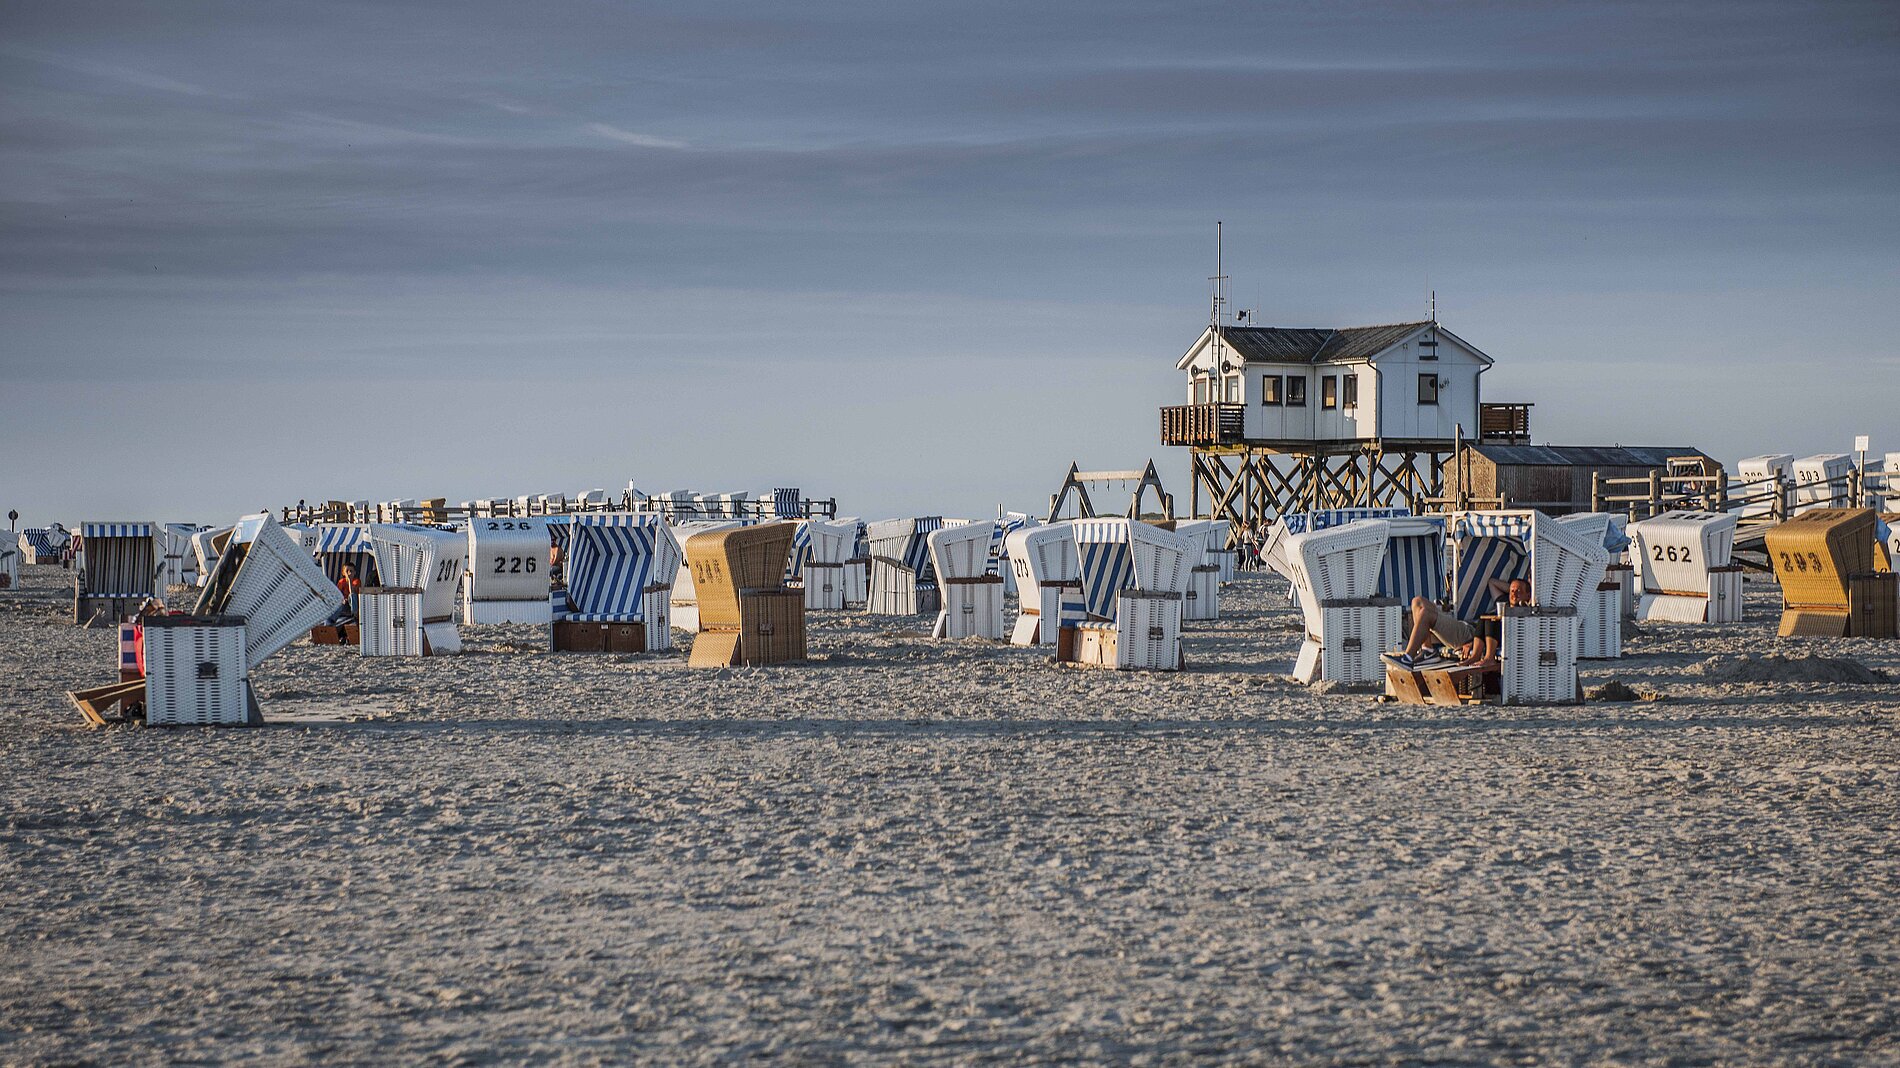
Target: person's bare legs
point(1424, 614)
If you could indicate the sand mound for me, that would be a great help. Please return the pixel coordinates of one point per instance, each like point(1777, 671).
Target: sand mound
point(1617, 690)
point(1771, 668)
point(1612, 691)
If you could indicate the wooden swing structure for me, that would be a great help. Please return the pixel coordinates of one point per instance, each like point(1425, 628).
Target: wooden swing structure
point(1078, 482)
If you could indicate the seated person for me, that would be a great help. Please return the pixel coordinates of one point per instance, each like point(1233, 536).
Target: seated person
point(1429, 621)
point(349, 585)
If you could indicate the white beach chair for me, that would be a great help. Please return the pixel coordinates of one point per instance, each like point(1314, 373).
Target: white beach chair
point(971, 595)
point(1765, 480)
point(272, 582)
point(1048, 578)
point(178, 565)
point(115, 570)
point(196, 674)
point(903, 582)
point(826, 547)
point(1601, 611)
point(508, 571)
point(1564, 566)
point(1133, 576)
point(428, 559)
point(389, 621)
point(1684, 568)
point(1201, 598)
point(1335, 575)
point(620, 569)
point(1821, 481)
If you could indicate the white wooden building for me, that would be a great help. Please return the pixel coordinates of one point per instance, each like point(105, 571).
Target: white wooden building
point(1403, 382)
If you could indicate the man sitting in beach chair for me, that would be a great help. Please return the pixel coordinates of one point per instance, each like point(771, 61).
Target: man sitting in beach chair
point(1430, 621)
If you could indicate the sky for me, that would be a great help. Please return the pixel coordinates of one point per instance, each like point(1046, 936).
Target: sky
point(914, 256)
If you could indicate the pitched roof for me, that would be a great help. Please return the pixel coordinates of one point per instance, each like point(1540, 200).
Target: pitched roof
point(1281, 344)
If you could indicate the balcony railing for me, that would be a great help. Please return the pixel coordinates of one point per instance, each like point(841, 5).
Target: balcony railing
point(1504, 422)
point(1202, 424)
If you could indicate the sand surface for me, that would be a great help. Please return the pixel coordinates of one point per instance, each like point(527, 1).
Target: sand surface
point(949, 852)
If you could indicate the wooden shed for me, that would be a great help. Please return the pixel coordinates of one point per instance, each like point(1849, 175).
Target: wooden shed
point(1557, 478)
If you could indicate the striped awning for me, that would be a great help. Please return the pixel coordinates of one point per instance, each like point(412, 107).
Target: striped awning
point(115, 530)
point(44, 540)
point(1491, 525)
point(340, 538)
point(788, 503)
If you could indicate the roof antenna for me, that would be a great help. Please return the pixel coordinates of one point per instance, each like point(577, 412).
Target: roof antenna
point(1428, 345)
point(1219, 285)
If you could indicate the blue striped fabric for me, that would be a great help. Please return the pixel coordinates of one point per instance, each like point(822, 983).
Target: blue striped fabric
point(1339, 517)
point(788, 504)
point(341, 538)
point(557, 530)
point(1480, 560)
point(608, 569)
point(40, 540)
point(1108, 567)
point(1414, 567)
point(1106, 560)
point(115, 530)
point(917, 555)
point(905, 540)
point(1491, 525)
point(801, 552)
point(1009, 524)
point(344, 543)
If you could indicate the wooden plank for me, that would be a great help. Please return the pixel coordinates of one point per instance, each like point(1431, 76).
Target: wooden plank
point(1406, 686)
point(93, 702)
point(1454, 686)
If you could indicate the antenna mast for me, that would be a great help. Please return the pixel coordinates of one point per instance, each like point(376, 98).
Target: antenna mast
point(1218, 283)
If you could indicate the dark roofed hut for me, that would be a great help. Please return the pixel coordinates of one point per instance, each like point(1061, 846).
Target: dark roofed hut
point(1557, 479)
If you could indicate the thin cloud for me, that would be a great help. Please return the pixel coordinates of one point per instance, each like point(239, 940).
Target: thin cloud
point(631, 137)
point(139, 79)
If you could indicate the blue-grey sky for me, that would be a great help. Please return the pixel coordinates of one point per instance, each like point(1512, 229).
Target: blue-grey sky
point(918, 256)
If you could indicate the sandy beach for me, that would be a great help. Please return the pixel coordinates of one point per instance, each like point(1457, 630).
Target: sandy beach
point(952, 852)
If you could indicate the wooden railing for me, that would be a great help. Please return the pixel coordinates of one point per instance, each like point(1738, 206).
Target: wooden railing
point(1761, 503)
point(756, 508)
point(1203, 424)
point(1504, 422)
